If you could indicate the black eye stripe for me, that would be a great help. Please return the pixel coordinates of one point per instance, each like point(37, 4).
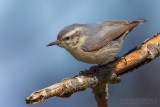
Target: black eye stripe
point(67, 38)
point(71, 36)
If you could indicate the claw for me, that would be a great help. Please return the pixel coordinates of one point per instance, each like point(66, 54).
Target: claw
point(122, 58)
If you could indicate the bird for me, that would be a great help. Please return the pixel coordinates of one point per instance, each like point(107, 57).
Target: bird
point(95, 43)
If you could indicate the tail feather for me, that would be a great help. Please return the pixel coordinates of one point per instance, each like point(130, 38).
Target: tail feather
point(140, 21)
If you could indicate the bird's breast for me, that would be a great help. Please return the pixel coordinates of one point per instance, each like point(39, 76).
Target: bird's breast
point(101, 56)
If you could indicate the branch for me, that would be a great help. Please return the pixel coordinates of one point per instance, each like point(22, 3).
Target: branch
point(98, 76)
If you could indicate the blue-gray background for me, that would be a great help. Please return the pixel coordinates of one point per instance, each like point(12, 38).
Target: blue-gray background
point(27, 65)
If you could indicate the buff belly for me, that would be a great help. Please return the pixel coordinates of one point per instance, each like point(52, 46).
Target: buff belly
point(103, 55)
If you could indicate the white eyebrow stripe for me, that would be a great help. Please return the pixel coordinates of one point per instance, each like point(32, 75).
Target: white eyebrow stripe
point(72, 32)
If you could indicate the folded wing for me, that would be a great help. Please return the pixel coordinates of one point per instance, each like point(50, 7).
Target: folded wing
point(110, 31)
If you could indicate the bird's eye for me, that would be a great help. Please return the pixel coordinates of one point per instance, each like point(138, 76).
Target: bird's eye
point(67, 38)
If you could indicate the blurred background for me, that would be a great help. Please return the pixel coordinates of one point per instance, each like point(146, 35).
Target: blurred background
point(27, 65)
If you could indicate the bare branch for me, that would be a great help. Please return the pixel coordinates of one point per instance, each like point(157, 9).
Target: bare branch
point(98, 76)
point(101, 94)
point(103, 103)
point(63, 89)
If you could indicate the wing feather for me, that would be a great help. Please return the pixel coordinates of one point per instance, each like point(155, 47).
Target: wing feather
point(110, 31)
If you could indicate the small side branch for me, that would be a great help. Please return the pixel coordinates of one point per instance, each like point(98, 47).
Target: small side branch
point(98, 76)
point(65, 88)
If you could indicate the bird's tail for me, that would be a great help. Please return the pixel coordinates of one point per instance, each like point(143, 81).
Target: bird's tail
point(140, 21)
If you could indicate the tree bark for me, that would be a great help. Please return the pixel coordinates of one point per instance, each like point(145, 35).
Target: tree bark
point(98, 77)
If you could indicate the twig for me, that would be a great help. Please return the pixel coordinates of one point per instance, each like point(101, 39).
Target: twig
point(98, 76)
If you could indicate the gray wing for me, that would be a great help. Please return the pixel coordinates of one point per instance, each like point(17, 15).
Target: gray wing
point(108, 31)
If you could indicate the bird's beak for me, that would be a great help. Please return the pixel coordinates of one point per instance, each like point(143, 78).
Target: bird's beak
point(53, 43)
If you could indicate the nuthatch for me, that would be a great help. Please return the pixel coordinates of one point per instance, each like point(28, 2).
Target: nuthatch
point(95, 43)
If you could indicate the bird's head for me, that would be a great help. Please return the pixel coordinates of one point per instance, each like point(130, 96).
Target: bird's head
point(69, 36)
